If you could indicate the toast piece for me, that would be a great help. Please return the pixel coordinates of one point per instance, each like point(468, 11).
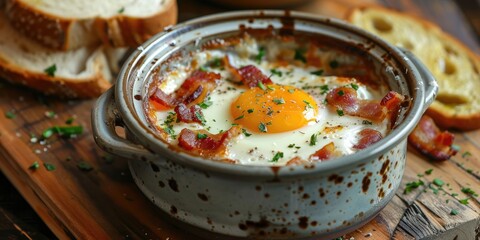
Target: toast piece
point(455, 67)
point(79, 73)
point(70, 24)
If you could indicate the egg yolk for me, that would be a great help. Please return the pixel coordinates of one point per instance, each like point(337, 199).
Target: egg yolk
point(273, 109)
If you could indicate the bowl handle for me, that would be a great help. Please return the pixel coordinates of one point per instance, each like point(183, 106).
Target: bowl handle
point(429, 83)
point(105, 118)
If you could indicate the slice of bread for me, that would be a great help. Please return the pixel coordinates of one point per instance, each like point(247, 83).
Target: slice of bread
point(455, 67)
point(79, 73)
point(70, 24)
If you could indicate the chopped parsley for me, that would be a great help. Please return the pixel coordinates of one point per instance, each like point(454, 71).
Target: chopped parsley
point(466, 154)
point(203, 69)
point(277, 156)
point(276, 72)
point(260, 55)
point(340, 112)
point(291, 145)
point(318, 72)
point(341, 93)
point(354, 86)
point(247, 134)
point(34, 165)
point(463, 201)
point(206, 103)
point(262, 127)
point(299, 55)
point(64, 131)
point(84, 166)
point(69, 121)
point(469, 191)
point(438, 182)
point(412, 185)
point(454, 212)
point(49, 166)
point(50, 71)
point(334, 64)
point(216, 63)
point(366, 122)
point(278, 101)
point(250, 110)
point(429, 171)
point(324, 89)
point(261, 86)
point(201, 136)
point(200, 117)
point(313, 139)
point(121, 10)
point(10, 115)
point(308, 104)
point(240, 117)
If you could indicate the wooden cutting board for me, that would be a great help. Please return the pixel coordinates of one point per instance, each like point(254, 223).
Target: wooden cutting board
point(104, 203)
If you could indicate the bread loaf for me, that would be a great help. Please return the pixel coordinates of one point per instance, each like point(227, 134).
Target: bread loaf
point(79, 73)
point(70, 24)
point(455, 67)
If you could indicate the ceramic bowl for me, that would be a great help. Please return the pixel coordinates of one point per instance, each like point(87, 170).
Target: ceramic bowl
point(324, 200)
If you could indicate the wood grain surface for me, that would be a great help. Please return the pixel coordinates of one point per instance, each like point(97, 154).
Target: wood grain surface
point(104, 203)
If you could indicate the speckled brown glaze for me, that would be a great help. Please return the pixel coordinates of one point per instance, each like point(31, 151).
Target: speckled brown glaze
point(323, 200)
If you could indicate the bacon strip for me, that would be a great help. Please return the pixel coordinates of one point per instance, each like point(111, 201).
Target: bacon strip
point(367, 137)
point(189, 114)
point(193, 90)
point(249, 75)
point(345, 99)
point(325, 153)
point(206, 143)
point(430, 141)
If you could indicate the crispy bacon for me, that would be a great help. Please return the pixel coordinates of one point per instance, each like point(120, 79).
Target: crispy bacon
point(189, 114)
point(206, 143)
point(248, 75)
point(193, 90)
point(345, 99)
point(367, 137)
point(430, 141)
point(325, 153)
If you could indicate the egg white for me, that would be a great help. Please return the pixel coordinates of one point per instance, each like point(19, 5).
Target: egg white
point(260, 148)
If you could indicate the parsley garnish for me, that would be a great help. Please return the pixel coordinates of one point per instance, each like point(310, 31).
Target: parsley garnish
point(463, 201)
point(299, 55)
point(216, 63)
point(453, 212)
point(466, 154)
point(50, 71)
point(354, 86)
point(250, 110)
point(69, 121)
point(200, 117)
point(438, 182)
point(260, 55)
point(261, 86)
point(247, 134)
point(277, 156)
point(469, 191)
point(10, 115)
point(429, 171)
point(318, 72)
point(278, 101)
point(262, 127)
point(201, 136)
point(340, 112)
point(64, 131)
point(334, 64)
point(203, 69)
point(206, 103)
point(412, 185)
point(121, 10)
point(341, 93)
point(313, 139)
point(291, 145)
point(84, 166)
point(34, 165)
point(276, 72)
point(366, 122)
point(49, 166)
point(240, 117)
point(324, 89)
point(308, 104)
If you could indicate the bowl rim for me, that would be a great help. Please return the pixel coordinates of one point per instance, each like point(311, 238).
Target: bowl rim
point(149, 139)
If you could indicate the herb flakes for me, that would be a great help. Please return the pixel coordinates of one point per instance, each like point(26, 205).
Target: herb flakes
point(277, 156)
point(49, 166)
point(438, 182)
point(35, 165)
point(10, 115)
point(84, 166)
point(262, 127)
point(412, 185)
point(50, 71)
point(317, 73)
point(313, 139)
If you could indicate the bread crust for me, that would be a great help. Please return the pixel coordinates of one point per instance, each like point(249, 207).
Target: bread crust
point(90, 87)
point(443, 113)
point(60, 33)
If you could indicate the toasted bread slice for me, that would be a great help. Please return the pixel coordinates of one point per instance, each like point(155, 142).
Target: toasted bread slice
point(70, 24)
point(79, 73)
point(455, 67)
